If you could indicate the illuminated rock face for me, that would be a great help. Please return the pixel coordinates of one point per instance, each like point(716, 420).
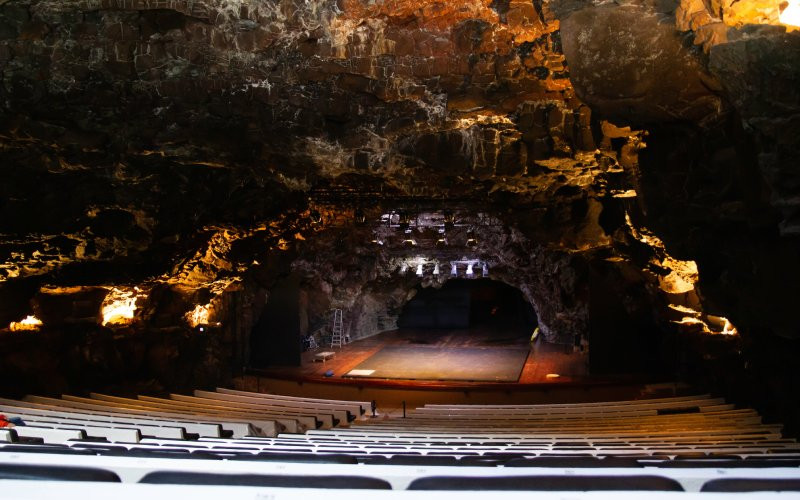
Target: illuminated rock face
point(174, 146)
point(150, 120)
point(630, 64)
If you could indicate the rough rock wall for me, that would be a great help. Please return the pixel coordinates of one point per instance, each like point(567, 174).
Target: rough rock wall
point(172, 144)
point(130, 127)
point(724, 149)
point(717, 183)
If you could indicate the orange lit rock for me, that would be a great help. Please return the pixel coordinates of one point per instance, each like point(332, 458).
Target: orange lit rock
point(29, 323)
point(650, 76)
point(119, 306)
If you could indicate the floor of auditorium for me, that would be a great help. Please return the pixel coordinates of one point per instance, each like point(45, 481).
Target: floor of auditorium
point(543, 363)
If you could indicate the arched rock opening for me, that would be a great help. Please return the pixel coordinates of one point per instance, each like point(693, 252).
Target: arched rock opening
point(467, 304)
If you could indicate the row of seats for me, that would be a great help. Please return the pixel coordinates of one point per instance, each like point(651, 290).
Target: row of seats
point(442, 482)
point(224, 413)
point(692, 444)
point(696, 426)
point(573, 476)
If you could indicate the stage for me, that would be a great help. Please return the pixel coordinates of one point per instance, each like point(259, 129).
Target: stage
point(472, 364)
point(444, 358)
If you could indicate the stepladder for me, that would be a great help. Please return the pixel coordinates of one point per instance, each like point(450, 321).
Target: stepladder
point(337, 329)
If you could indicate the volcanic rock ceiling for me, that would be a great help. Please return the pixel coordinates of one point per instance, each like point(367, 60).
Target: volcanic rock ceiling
point(172, 150)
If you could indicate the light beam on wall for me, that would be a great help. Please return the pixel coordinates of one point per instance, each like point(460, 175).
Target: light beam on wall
point(30, 323)
point(119, 306)
point(199, 315)
point(791, 14)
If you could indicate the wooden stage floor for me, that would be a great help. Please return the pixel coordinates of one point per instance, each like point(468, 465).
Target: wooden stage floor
point(543, 361)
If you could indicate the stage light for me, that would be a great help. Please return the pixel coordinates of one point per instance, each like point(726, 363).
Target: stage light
point(419, 269)
point(436, 269)
point(453, 270)
point(403, 269)
point(469, 269)
point(485, 271)
point(410, 242)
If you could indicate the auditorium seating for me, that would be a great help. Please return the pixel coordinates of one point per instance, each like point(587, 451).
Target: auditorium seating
point(678, 446)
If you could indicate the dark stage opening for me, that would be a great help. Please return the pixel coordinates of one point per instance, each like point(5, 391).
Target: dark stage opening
point(466, 304)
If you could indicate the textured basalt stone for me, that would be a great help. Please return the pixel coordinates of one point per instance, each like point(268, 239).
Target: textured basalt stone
point(182, 145)
point(127, 126)
point(760, 72)
point(630, 64)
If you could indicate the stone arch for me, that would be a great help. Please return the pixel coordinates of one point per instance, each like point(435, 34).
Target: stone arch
point(468, 303)
point(552, 281)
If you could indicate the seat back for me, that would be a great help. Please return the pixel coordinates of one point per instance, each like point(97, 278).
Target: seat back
point(739, 485)
point(316, 458)
point(573, 462)
point(277, 481)
point(56, 473)
point(546, 483)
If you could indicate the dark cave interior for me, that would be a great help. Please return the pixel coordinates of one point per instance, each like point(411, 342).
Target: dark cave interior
point(190, 188)
point(462, 303)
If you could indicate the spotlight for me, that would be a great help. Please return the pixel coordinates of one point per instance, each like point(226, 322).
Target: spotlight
point(436, 269)
point(453, 270)
point(469, 269)
point(419, 269)
point(485, 271)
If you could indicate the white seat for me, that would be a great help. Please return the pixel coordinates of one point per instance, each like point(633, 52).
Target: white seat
point(364, 405)
point(202, 429)
point(33, 415)
point(239, 428)
point(49, 434)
